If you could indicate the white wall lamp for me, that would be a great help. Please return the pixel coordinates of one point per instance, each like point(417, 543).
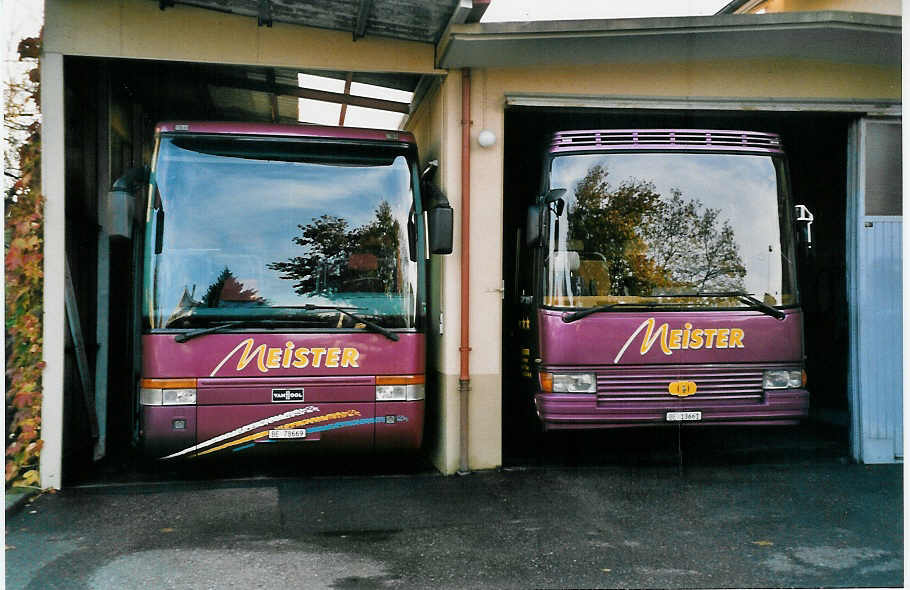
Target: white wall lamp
point(486, 138)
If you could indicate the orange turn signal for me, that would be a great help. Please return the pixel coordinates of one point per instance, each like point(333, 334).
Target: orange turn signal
point(168, 383)
point(546, 381)
point(400, 379)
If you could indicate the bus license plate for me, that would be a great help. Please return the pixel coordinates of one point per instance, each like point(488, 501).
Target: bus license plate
point(288, 433)
point(683, 416)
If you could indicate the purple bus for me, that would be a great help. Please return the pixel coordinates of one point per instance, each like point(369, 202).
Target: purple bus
point(660, 282)
point(284, 290)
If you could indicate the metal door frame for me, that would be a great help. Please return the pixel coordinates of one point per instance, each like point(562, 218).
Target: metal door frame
point(860, 449)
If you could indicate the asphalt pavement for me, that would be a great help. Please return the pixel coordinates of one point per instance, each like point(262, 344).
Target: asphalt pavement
point(812, 520)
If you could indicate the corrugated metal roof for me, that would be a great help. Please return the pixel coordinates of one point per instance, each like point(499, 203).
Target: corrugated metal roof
point(251, 93)
point(412, 20)
point(258, 93)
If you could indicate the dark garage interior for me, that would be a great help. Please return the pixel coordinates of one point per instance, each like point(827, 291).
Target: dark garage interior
point(816, 145)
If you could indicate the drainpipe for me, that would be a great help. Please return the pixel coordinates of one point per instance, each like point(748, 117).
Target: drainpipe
point(464, 379)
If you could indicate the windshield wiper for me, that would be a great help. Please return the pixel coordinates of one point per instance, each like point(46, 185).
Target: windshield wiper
point(371, 325)
point(577, 315)
point(744, 297)
point(756, 303)
point(184, 336)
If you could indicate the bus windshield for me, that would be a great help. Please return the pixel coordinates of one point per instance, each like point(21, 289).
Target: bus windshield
point(689, 230)
point(279, 230)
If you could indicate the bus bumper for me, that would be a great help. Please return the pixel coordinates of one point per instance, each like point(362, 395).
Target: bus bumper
point(399, 426)
point(167, 431)
point(563, 411)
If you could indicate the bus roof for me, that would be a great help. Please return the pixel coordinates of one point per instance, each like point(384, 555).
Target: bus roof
point(665, 140)
point(282, 130)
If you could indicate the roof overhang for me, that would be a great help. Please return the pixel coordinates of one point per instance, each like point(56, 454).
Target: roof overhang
point(270, 93)
point(841, 37)
point(410, 20)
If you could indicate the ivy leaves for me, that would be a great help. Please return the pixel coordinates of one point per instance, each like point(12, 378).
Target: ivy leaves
point(24, 265)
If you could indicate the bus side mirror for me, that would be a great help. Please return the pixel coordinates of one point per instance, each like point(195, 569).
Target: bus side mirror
point(159, 231)
point(412, 236)
point(440, 217)
point(534, 221)
point(555, 196)
point(532, 227)
point(119, 215)
point(440, 222)
point(429, 171)
point(805, 218)
point(121, 202)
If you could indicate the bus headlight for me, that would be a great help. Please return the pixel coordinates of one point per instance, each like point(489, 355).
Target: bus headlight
point(782, 379)
point(405, 388)
point(167, 392)
point(400, 393)
point(167, 397)
point(568, 382)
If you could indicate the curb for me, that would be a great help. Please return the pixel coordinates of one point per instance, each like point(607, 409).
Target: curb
point(16, 500)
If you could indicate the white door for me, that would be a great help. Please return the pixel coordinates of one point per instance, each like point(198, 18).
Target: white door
point(874, 290)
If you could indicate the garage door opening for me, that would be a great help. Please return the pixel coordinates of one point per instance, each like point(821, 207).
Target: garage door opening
point(816, 146)
point(111, 109)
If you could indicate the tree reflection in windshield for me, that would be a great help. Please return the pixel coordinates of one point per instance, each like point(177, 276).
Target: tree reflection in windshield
point(227, 290)
point(694, 251)
point(606, 221)
point(340, 259)
point(646, 236)
point(259, 226)
point(646, 244)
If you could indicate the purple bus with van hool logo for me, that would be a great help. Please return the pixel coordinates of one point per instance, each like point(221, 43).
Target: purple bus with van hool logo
point(284, 290)
point(659, 285)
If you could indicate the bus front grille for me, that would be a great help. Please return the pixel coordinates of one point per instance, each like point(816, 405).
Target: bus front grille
point(652, 384)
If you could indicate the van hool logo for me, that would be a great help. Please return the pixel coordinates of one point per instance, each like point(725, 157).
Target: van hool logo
point(269, 357)
point(685, 339)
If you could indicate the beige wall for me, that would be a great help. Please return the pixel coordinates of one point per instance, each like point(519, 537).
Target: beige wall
point(892, 7)
point(437, 127)
point(138, 29)
point(753, 78)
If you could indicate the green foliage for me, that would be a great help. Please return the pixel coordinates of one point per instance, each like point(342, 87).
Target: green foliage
point(24, 233)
